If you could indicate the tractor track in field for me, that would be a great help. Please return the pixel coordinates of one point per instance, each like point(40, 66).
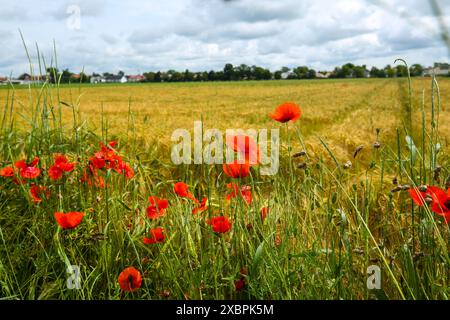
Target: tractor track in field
point(347, 111)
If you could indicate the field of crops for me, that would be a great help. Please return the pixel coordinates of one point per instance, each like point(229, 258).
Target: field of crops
point(308, 232)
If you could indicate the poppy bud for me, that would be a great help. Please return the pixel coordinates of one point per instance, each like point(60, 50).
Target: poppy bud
point(302, 165)
point(299, 154)
point(358, 150)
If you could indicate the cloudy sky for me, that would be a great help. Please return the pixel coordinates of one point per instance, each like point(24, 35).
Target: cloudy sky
point(137, 36)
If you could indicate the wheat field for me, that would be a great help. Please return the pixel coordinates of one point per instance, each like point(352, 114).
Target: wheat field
point(328, 222)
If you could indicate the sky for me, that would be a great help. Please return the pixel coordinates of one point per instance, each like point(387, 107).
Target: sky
point(136, 36)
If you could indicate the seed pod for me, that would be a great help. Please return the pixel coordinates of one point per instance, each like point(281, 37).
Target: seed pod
point(299, 154)
point(376, 144)
point(348, 165)
point(437, 172)
point(165, 294)
point(358, 150)
point(397, 189)
point(418, 255)
point(244, 271)
point(395, 181)
point(447, 183)
point(405, 187)
point(423, 188)
point(302, 165)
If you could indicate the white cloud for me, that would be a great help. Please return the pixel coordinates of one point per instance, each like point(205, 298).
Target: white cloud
point(137, 36)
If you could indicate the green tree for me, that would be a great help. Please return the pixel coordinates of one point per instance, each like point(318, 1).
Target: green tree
point(52, 74)
point(416, 70)
point(228, 72)
point(149, 76)
point(277, 75)
point(158, 76)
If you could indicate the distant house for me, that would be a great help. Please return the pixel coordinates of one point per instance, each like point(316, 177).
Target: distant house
point(95, 78)
point(366, 73)
point(287, 75)
point(115, 79)
point(136, 78)
point(23, 79)
point(109, 78)
point(323, 74)
point(439, 69)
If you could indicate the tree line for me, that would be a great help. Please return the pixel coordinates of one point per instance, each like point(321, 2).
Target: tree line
point(245, 72)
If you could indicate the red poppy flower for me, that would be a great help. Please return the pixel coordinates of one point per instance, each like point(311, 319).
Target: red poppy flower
point(37, 192)
point(98, 161)
point(286, 112)
point(264, 212)
point(28, 171)
point(244, 191)
point(239, 284)
point(126, 170)
point(200, 206)
point(220, 224)
point(130, 279)
point(60, 166)
point(69, 220)
point(439, 200)
point(157, 207)
point(181, 189)
point(109, 159)
point(91, 177)
point(236, 170)
point(156, 236)
point(246, 146)
point(7, 172)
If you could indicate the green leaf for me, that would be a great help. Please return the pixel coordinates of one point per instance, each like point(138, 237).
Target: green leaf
point(412, 148)
point(257, 257)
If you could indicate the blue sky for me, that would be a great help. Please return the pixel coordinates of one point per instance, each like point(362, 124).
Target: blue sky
point(137, 36)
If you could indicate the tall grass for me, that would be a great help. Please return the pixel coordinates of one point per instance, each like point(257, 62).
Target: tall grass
point(327, 223)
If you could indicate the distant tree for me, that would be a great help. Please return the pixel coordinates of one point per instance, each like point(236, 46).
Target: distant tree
point(390, 72)
point(374, 71)
point(203, 76)
point(120, 73)
point(401, 71)
point(52, 74)
point(311, 74)
point(277, 75)
point(285, 69)
point(220, 76)
point(24, 76)
point(300, 72)
point(212, 75)
point(416, 70)
point(228, 72)
point(158, 77)
point(188, 76)
point(359, 71)
point(243, 72)
point(149, 76)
